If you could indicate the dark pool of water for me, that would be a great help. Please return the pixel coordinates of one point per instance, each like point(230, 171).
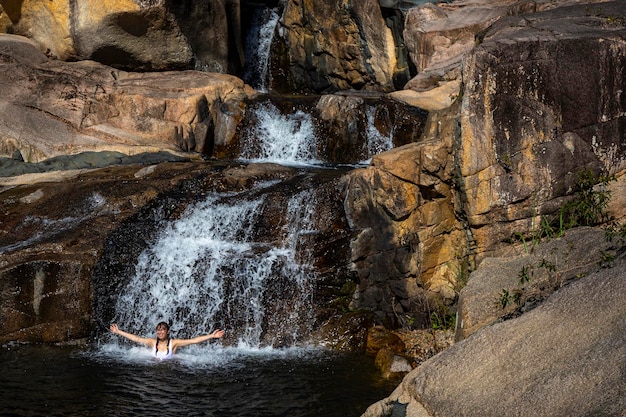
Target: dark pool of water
point(53, 381)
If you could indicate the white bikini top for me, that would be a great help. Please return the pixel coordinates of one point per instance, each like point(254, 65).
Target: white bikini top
point(163, 355)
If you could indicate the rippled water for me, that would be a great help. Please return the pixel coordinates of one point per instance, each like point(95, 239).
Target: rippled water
point(206, 381)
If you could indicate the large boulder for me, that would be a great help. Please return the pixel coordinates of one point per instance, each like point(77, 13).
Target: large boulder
point(439, 35)
point(133, 35)
point(560, 359)
point(509, 286)
point(53, 108)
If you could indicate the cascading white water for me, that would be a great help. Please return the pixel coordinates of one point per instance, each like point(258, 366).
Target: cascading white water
point(376, 141)
point(208, 270)
point(281, 138)
point(258, 45)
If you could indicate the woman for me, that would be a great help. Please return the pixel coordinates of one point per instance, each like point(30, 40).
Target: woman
point(163, 347)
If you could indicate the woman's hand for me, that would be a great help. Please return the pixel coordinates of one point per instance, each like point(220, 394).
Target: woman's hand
point(217, 334)
point(115, 329)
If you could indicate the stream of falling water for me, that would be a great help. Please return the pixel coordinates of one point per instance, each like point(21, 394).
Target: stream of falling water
point(376, 141)
point(208, 270)
point(257, 52)
point(287, 139)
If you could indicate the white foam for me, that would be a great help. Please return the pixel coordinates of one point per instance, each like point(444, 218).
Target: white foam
point(287, 139)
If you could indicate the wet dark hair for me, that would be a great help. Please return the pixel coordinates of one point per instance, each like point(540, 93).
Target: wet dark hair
point(166, 326)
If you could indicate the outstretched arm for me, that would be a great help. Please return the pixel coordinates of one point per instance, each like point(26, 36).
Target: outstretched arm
point(137, 339)
point(176, 343)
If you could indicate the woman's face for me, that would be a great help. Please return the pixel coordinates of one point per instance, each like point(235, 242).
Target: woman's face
point(161, 332)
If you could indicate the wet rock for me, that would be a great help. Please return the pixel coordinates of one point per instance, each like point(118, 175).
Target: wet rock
point(70, 242)
point(52, 235)
point(242, 177)
point(342, 128)
point(326, 47)
point(346, 332)
point(392, 364)
point(349, 121)
point(380, 338)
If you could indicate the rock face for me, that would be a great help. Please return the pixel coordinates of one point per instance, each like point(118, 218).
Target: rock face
point(345, 128)
point(559, 359)
point(133, 35)
point(410, 245)
point(497, 150)
point(541, 104)
point(508, 287)
point(329, 46)
point(508, 196)
point(53, 108)
point(470, 190)
point(439, 35)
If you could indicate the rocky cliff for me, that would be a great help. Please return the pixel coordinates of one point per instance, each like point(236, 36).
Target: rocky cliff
point(530, 120)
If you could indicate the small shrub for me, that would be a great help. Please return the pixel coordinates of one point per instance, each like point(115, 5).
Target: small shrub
point(442, 321)
point(505, 298)
point(588, 208)
point(524, 277)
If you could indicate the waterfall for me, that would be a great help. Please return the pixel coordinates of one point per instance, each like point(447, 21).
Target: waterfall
point(258, 43)
point(281, 138)
point(376, 141)
point(213, 268)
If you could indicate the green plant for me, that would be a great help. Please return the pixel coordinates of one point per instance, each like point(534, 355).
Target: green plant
point(505, 298)
point(524, 277)
point(544, 263)
point(442, 321)
point(616, 233)
point(588, 208)
point(606, 259)
point(522, 238)
point(462, 269)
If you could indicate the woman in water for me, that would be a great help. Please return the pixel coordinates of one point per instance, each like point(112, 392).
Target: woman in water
point(163, 347)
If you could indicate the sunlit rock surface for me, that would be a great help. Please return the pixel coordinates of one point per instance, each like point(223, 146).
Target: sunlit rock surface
point(559, 359)
point(540, 105)
point(133, 35)
point(53, 108)
point(508, 287)
point(410, 248)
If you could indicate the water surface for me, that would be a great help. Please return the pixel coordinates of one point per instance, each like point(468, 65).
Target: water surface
point(203, 381)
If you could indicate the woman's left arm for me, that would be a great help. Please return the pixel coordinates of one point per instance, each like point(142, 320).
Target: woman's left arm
point(176, 343)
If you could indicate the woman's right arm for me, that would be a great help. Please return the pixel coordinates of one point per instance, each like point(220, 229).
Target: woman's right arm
point(137, 339)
